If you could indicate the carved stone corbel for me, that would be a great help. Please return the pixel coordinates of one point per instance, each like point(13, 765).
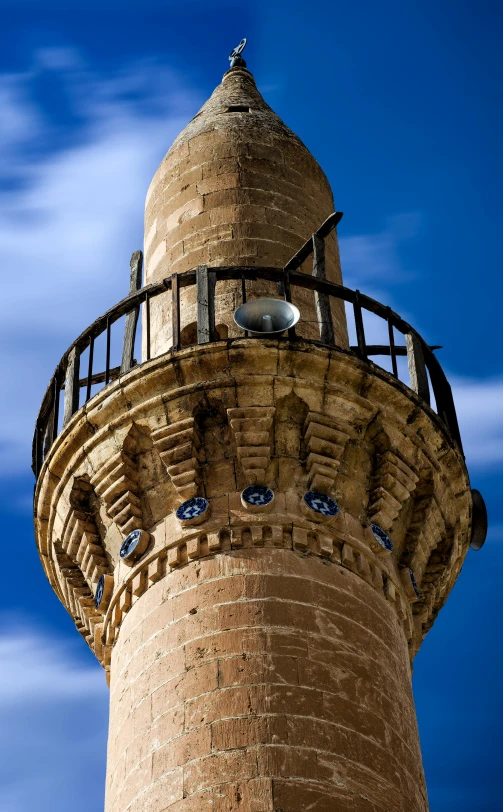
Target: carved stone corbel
point(326, 439)
point(394, 479)
point(180, 449)
point(116, 483)
point(251, 428)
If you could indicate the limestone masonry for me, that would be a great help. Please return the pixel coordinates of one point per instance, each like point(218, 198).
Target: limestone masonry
point(258, 652)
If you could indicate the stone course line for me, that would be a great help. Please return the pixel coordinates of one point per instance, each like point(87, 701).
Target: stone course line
point(377, 575)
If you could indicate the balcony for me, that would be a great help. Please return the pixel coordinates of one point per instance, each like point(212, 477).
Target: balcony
point(67, 391)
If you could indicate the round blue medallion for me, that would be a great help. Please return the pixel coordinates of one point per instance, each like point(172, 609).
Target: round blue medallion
point(383, 539)
point(192, 508)
point(257, 495)
point(99, 592)
point(130, 544)
point(414, 585)
point(321, 503)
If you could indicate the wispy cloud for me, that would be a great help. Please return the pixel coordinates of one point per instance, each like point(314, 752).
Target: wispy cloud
point(372, 263)
point(47, 698)
point(478, 405)
point(71, 217)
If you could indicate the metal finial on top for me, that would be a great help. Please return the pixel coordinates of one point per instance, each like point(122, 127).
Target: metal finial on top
point(235, 56)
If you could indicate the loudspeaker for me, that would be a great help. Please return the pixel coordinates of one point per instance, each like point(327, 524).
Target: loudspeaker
point(479, 521)
point(266, 317)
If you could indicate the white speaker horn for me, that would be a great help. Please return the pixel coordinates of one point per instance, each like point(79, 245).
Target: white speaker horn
point(266, 317)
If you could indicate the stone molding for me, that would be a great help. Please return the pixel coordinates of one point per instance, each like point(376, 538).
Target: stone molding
point(360, 427)
point(251, 429)
point(116, 482)
point(329, 545)
point(82, 558)
point(179, 447)
point(81, 539)
point(394, 479)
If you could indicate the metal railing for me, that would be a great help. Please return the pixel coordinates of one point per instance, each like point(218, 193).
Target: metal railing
point(426, 376)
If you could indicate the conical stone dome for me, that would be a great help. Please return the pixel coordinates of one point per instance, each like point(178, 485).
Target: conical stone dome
point(237, 187)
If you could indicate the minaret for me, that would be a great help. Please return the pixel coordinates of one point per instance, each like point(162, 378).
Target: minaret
point(252, 533)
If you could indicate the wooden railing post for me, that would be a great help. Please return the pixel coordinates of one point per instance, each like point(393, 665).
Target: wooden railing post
point(136, 266)
point(360, 332)
point(175, 312)
point(38, 457)
point(90, 369)
point(72, 386)
point(287, 293)
point(147, 320)
point(444, 400)
point(53, 417)
point(392, 348)
point(205, 283)
point(243, 294)
point(321, 300)
point(417, 367)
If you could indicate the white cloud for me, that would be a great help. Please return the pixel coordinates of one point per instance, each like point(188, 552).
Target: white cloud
point(369, 260)
point(68, 227)
point(53, 724)
point(480, 415)
point(70, 223)
point(58, 59)
point(20, 122)
point(370, 257)
point(35, 669)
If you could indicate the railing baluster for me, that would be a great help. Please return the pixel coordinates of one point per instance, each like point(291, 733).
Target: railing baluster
point(243, 296)
point(38, 450)
point(147, 319)
point(321, 300)
point(135, 265)
point(417, 368)
point(48, 435)
point(360, 332)
point(425, 371)
point(442, 391)
point(392, 350)
point(205, 283)
point(72, 388)
point(90, 369)
point(175, 312)
point(47, 439)
point(324, 230)
point(107, 363)
point(52, 421)
point(288, 298)
point(57, 395)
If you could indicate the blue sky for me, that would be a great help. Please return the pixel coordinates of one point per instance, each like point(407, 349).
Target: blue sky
point(401, 104)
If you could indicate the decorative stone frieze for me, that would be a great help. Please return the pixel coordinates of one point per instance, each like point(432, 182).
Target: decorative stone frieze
point(412, 469)
point(179, 447)
point(302, 540)
point(251, 430)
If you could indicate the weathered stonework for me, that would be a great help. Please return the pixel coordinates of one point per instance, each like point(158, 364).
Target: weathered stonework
point(259, 661)
point(229, 642)
point(236, 188)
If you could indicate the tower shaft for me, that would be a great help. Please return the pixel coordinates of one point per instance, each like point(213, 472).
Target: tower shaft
point(253, 535)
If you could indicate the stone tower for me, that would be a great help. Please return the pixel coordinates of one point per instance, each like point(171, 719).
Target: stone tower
point(253, 534)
